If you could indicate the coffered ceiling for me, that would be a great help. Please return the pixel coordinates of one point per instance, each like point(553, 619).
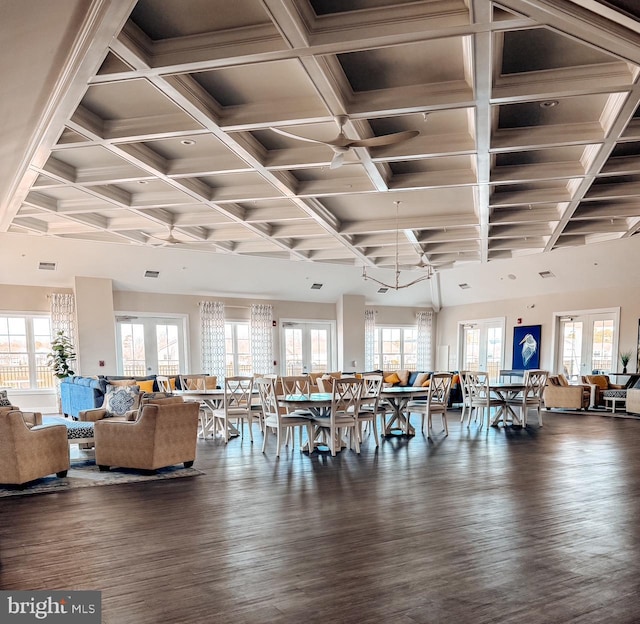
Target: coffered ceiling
point(528, 114)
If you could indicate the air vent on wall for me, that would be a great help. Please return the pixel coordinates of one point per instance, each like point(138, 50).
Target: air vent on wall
point(464, 286)
point(47, 266)
point(153, 274)
point(383, 290)
point(316, 286)
point(546, 274)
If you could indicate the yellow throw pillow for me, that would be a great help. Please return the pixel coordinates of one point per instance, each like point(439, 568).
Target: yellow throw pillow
point(146, 386)
point(455, 379)
point(392, 379)
point(425, 384)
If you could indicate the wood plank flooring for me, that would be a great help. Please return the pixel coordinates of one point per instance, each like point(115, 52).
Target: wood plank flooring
point(511, 526)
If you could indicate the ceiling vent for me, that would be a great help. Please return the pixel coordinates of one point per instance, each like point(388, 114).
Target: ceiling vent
point(153, 274)
point(464, 286)
point(316, 286)
point(47, 266)
point(383, 290)
point(546, 274)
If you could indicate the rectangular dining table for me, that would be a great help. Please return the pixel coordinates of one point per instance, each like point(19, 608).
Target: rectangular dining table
point(398, 397)
point(506, 390)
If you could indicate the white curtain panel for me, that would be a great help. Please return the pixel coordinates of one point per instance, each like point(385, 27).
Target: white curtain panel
point(261, 328)
point(63, 315)
point(213, 340)
point(369, 339)
point(423, 346)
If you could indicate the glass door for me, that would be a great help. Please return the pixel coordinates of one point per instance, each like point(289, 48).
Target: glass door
point(307, 347)
point(587, 344)
point(482, 346)
point(147, 345)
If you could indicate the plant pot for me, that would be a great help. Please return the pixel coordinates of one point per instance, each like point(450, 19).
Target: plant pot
point(624, 369)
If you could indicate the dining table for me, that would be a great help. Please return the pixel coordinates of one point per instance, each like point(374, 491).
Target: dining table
point(505, 391)
point(398, 397)
point(210, 400)
point(319, 405)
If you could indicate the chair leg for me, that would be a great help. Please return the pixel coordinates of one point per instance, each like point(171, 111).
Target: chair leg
point(375, 430)
point(250, 425)
point(264, 439)
point(445, 427)
point(311, 444)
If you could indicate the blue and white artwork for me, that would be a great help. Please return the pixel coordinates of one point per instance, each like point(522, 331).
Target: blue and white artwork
point(526, 347)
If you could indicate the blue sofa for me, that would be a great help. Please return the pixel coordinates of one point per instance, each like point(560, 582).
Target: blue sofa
point(79, 393)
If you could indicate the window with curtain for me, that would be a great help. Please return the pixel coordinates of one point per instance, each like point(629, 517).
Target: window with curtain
point(395, 348)
point(261, 330)
point(212, 336)
point(237, 348)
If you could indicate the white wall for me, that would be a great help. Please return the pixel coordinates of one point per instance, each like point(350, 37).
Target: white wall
point(540, 311)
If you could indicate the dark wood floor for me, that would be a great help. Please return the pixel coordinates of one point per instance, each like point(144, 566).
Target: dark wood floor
point(511, 526)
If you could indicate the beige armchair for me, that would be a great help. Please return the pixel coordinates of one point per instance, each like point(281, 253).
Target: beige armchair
point(161, 436)
point(28, 453)
point(602, 384)
point(31, 419)
point(560, 394)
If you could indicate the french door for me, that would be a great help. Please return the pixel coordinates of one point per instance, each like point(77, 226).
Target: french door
point(147, 345)
point(307, 347)
point(481, 346)
point(587, 343)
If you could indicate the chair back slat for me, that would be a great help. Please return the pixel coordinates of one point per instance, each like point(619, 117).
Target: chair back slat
point(237, 392)
point(439, 388)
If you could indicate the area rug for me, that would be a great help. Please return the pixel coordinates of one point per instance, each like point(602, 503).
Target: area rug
point(85, 473)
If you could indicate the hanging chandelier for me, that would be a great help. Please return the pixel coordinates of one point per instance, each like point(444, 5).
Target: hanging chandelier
point(427, 268)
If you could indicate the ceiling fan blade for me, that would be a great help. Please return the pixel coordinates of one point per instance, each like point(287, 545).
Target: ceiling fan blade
point(295, 136)
point(385, 139)
point(337, 160)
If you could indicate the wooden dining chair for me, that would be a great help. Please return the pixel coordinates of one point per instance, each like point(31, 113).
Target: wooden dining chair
point(435, 403)
point(237, 406)
point(278, 419)
point(481, 398)
point(371, 407)
point(193, 383)
point(346, 394)
point(465, 380)
point(531, 396)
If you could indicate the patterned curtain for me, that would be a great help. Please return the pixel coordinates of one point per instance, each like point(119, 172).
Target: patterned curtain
point(261, 338)
point(369, 339)
point(212, 337)
point(63, 315)
point(423, 346)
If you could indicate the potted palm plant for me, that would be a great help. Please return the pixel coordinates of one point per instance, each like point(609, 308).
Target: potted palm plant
point(625, 356)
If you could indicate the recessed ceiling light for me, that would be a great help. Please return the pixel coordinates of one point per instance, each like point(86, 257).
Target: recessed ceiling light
point(383, 290)
point(188, 142)
point(546, 274)
point(316, 286)
point(464, 286)
point(153, 274)
point(47, 266)
point(511, 276)
point(548, 103)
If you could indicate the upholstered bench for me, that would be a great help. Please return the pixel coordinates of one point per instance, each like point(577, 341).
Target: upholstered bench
point(78, 432)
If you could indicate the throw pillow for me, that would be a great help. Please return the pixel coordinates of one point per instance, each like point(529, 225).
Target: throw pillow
point(4, 402)
point(120, 399)
point(392, 378)
point(146, 386)
point(404, 376)
point(123, 382)
point(421, 378)
point(426, 384)
point(562, 380)
point(210, 382)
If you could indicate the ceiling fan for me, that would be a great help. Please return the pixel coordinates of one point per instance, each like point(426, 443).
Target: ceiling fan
point(170, 239)
point(342, 144)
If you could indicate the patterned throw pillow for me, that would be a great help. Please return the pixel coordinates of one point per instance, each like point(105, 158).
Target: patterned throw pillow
point(121, 399)
point(4, 402)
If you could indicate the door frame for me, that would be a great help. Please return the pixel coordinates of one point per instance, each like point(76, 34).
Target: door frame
point(556, 343)
point(333, 340)
point(125, 316)
point(496, 320)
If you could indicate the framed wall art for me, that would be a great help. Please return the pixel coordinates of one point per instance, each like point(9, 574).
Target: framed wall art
point(526, 347)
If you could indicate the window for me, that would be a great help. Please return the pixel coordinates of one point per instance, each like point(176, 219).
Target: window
point(396, 348)
point(238, 349)
point(481, 344)
point(150, 344)
point(307, 347)
point(25, 342)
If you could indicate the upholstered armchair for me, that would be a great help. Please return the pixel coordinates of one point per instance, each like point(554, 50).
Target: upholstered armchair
point(31, 419)
point(559, 393)
point(161, 436)
point(28, 453)
point(602, 384)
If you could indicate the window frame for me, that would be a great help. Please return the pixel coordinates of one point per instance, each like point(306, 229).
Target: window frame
point(234, 324)
point(31, 352)
point(378, 352)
